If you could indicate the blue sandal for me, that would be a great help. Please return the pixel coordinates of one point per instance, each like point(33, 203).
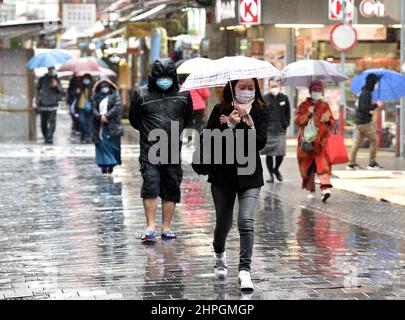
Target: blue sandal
point(148, 235)
point(168, 234)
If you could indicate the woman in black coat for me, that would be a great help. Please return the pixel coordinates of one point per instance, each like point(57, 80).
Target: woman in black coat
point(241, 114)
point(107, 130)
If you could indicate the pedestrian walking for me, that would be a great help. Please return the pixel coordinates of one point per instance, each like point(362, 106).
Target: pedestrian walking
point(83, 108)
point(279, 115)
point(199, 97)
point(71, 99)
point(311, 154)
point(365, 125)
point(108, 130)
point(49, 91)
point(242, 107)
point(159, 105)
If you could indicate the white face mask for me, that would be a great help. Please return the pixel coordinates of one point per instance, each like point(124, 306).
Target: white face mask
point(275, 91)
point(245, 96)
point(316, 96)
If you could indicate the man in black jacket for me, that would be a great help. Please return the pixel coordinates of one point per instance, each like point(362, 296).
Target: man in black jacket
point(365, 125)
point(160, 106)
point(48, 93)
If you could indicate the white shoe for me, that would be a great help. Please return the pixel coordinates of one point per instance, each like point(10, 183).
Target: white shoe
point(311, 195)
point(220, 267)
point(245, 281)
point(326, 195)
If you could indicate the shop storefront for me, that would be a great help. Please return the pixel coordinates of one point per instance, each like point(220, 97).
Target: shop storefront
point(295, 30)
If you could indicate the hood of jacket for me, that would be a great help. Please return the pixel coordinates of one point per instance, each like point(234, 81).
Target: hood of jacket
point(163, 68)
point(96, 87)
point(371, 81)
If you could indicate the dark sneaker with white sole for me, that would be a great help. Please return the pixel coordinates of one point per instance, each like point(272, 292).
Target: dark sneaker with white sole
point(374, 166)
point(353, 166)
point(325, 195)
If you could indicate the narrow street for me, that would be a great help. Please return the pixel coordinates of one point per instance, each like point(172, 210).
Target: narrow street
point(67, 232)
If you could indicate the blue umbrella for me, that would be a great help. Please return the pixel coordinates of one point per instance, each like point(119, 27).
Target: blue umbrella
point(391, 85)
point(48, 59)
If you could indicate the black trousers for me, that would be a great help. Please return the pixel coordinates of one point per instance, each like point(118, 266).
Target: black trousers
point(48, 124)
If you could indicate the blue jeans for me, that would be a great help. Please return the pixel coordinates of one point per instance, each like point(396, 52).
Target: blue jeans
point(224, 200)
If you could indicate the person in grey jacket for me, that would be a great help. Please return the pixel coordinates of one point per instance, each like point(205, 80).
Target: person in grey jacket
point(48, 93)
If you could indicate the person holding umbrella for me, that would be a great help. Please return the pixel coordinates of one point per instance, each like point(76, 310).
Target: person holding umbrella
point(48, 93)
point(242, 108)
point(365, 126)
point(312, 158)
point(279, 120)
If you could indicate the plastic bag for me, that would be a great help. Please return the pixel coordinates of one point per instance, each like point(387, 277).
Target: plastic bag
point(310, 131)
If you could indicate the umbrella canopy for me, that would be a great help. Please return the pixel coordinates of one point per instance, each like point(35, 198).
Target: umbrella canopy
point(48, 59)
point(303, 72)
point(391, 85)
point(189, 66)
point(100, 62)
point(77, 65)
point(226, 69)
point(100, 73)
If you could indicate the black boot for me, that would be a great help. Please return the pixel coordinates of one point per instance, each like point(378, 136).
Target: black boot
point(278, 175)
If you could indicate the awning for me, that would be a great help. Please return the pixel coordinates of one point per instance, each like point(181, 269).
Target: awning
point(74, 32)
point(150, 13)
point(113, 34)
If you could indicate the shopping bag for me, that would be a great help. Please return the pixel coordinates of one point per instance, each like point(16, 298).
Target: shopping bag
point(336, 150)
point(310, 131)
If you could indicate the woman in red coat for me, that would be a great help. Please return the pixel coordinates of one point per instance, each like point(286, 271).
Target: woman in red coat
point(315, 160)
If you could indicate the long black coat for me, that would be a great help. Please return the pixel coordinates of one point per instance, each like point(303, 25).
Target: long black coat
point(113, 114)
point(227, 174)
point(279, 113)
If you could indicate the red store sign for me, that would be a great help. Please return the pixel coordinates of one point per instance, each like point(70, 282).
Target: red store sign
point(249, 11)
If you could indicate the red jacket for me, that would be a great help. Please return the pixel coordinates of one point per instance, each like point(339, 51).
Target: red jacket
point(199, 96)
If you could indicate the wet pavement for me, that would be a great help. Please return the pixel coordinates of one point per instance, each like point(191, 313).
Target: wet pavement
point(69, 233)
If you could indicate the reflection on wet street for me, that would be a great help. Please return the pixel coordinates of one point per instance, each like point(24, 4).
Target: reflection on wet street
point(69, 233)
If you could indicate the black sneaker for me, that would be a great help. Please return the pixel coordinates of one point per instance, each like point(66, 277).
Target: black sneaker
point(374, 166)
point(353, 166)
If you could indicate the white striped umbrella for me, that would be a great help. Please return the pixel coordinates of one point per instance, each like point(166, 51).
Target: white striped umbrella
point(221, 71)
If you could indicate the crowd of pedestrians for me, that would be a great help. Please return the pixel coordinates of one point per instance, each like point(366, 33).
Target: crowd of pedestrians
point(95, 109)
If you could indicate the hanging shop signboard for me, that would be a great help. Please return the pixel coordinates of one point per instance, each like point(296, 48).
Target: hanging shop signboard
point(249, 11)
point(370, 8)
point(225, 10)
point(336, 9)
point(79, 15)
